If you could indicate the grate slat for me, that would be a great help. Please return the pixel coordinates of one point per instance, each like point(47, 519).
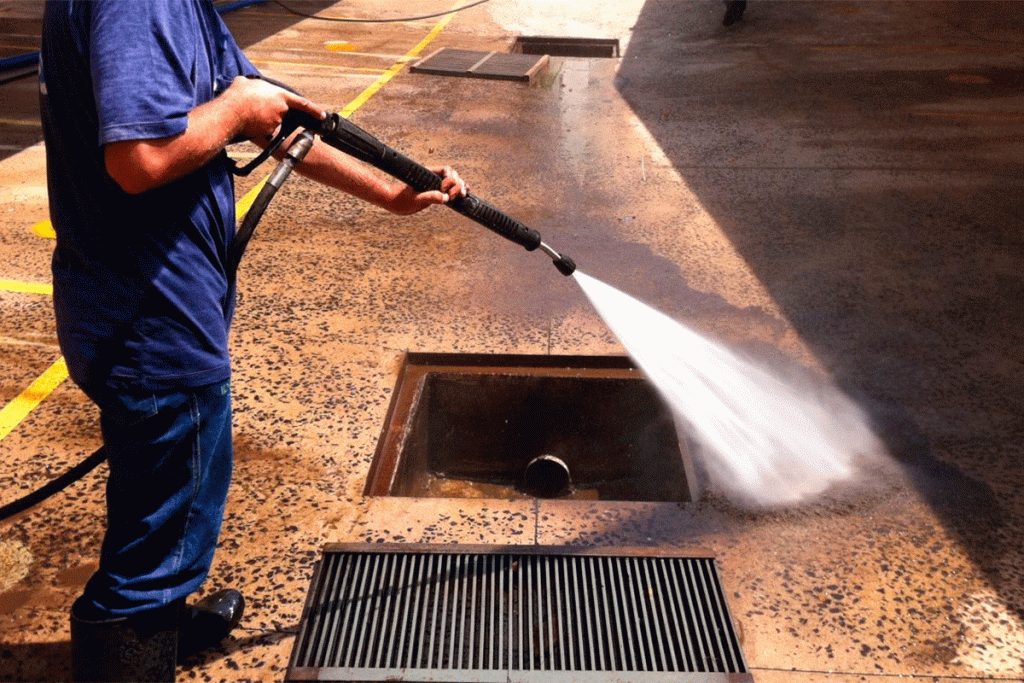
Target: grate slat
point(371, 653)
point(419, 613)
point(628, 646)
point(392, 616)
point(665, 624)
point(649, 637)
point(616, 660)
point(519, 614)
point(570, 578)
point(531, 630)
point(344, 567)
point(320, 617)
point(696, 591)
point(442, 613)
point(549, 615)
point(596, 635)
point(366, 579)
point(473, 653)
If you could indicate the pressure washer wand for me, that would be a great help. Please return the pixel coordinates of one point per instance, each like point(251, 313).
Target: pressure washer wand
point(342, 134)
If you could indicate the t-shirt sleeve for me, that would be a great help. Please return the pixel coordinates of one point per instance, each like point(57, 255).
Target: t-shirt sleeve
point(143, 57)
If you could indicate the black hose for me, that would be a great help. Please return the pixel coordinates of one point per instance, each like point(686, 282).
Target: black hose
point(55, 485)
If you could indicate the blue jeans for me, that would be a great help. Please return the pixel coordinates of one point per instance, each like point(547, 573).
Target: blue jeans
point(170, 459)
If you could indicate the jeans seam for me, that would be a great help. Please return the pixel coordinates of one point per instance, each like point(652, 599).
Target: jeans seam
point(195, 481)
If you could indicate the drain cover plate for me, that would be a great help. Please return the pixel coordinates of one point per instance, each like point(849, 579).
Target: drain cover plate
point(530, 614)
point(476, 64)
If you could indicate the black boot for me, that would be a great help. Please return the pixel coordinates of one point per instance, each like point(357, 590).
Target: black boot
point(138, 647)
point(733, 11)
point(209, 621)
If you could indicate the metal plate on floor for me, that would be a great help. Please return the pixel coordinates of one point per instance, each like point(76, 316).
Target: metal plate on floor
point(530, 614)
point(478, 64)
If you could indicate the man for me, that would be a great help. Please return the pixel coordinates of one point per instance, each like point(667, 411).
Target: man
point(139, 99)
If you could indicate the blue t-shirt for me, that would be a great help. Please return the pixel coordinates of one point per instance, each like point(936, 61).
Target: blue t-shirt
point(140, 285)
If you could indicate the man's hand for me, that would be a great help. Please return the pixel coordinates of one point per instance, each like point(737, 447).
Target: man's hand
point(407, 201)
point(260, 106)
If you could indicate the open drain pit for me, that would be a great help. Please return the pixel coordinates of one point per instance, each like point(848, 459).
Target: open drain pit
point(515, 426)
point(555, 46)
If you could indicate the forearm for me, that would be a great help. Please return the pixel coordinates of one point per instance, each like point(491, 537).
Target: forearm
point(334, 168)
point(338, 170)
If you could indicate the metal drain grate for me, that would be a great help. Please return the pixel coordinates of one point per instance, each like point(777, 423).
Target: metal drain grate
point(452, 613)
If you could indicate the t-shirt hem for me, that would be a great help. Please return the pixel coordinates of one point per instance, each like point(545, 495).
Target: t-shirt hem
point(148, 130)
point(160, 383)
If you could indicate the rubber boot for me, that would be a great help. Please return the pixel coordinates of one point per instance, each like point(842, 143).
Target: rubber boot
point(138, 647)
point(205, 624)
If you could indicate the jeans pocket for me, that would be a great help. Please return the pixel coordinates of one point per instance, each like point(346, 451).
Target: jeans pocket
point(126, 408)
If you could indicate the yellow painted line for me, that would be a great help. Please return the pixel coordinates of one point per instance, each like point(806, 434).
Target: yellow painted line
point(245, 203)
point(26, 287)
point(44, 229)
point(340, 46)
point(309, 65)
point(393, 71)
point(22, 122)
point(18, 409)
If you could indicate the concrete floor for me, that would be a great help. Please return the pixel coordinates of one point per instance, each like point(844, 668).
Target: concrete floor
point(836, 181)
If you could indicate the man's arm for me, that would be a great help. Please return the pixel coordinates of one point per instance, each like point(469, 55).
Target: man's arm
point(249, 107)
point(253, 108)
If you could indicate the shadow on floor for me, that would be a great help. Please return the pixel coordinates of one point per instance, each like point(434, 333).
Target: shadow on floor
point(35, 662)
point(855, 154)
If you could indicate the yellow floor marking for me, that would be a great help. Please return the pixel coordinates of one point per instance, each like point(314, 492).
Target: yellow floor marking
point(44, 229)
point(26, 287)
point(393, 71)
point(340, 46)
point(308, 65)
point(21, 122)
point(17, 410)
point(245, 203)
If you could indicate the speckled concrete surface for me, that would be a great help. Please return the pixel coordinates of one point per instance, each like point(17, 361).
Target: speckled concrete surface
point(838, 183)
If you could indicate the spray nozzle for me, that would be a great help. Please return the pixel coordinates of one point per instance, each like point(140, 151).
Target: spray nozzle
point(566, 266)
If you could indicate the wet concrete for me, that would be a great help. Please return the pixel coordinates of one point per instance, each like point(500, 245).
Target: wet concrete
point(837, 183)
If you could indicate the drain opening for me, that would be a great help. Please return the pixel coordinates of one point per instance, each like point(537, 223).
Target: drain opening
point(566, 47)
point(546, 477)
point(531, 614)
point(470, 425)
